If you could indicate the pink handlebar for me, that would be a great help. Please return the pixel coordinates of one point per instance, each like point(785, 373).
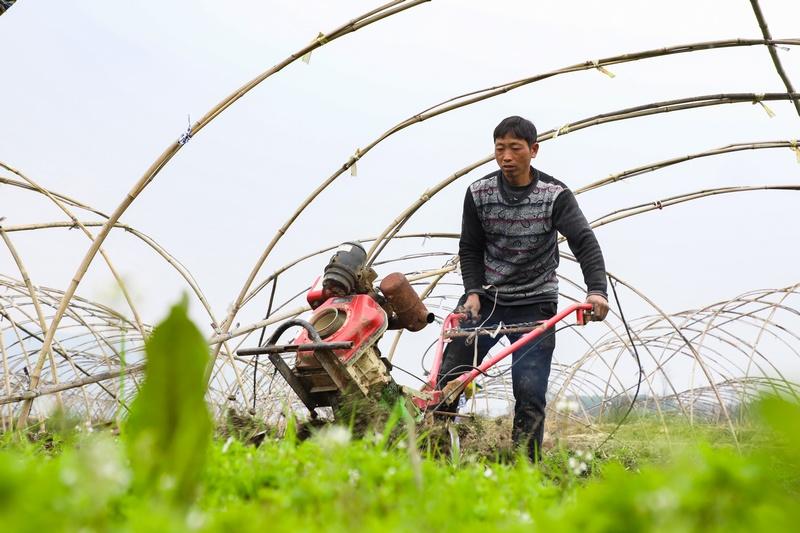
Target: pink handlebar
point(462, 381)
point(579, 309)
point(449, 322)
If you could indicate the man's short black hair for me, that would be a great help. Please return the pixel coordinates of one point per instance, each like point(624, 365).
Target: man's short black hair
point(518, 127)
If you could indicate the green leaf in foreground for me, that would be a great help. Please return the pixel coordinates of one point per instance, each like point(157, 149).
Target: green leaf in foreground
point(169, 428)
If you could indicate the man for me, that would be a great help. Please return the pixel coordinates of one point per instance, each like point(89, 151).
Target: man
point(509, 255)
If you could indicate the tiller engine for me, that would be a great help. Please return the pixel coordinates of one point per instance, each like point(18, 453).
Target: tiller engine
point(337, 350)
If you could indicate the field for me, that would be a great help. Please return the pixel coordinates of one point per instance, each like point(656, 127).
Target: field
point(166, 469)
point(73, 480)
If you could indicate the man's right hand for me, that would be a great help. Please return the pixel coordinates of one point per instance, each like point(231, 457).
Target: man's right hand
point(473, 306)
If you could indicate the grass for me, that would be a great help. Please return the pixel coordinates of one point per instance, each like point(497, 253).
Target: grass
point(163, 471)
point(74, 480)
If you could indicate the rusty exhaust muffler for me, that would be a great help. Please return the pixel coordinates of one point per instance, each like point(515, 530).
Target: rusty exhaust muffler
point(410, 312)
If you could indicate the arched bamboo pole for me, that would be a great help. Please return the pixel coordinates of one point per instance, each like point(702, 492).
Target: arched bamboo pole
point(470, 98)
point(389, 9)
point(762, 23)
point(681, 198)
point(65, 199)
point(76, 222)
point(6, 419)
point(694, 353)
point(40, 316)
point(61, 350)
point(69, 355)
point(731, 148)
point(624, 114)
point(182, 270)
point(623, 341)
point(261, 285)
point(441, 272)
point(169, 258)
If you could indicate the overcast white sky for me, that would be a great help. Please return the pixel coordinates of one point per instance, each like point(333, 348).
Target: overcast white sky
point(93, 91)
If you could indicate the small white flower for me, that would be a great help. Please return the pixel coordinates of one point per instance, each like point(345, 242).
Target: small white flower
point(195, 519)
point(46, 405)
point(662, 500)
point(402, 445)
point(166, 483)
point(69, 476)
point(353, 476)
point(227, 444)
point(107, 465)
point(525, 518)
point(331, 437)
point(588, 456)
point(488, 473)
point(577, 468)
point(567, 406)
point(391, 471)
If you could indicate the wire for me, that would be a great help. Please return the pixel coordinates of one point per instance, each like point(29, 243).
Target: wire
point(489, 331)
point(529, 348)
point(465, 367)
point(491, 376)
point(424, 355)
point(638, 362)
point(491, 313)
point(261, 340)
point(630, 338)
point(409, 373)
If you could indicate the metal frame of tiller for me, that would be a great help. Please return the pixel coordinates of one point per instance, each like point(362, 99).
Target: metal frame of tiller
point(323, 351)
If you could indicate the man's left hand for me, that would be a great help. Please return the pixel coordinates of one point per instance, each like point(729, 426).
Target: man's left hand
point(599, 307)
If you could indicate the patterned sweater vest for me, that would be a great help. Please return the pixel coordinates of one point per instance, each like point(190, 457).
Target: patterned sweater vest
point(521, 253)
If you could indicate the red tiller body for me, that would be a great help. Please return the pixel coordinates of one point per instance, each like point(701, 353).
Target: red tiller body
point(364, 323)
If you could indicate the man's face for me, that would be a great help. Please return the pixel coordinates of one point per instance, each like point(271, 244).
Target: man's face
point(514, 156)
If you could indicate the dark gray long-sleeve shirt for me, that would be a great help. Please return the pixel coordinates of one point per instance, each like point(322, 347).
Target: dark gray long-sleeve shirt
point(509, 240)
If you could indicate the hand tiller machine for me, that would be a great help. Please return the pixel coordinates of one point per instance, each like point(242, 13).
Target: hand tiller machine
point(337, 351)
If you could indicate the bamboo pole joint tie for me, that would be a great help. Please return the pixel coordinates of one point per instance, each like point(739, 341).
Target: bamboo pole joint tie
point(794, 148)
point(603, 69)
point(563, 130)
point(186, 136)
point(320, 40)
point(353, 161)
point(759, 99)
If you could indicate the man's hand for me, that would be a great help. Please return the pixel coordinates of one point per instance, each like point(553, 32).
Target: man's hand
point(473, 306)
point(599, 307)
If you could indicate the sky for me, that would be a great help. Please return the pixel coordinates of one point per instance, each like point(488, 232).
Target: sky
point(93, 91)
